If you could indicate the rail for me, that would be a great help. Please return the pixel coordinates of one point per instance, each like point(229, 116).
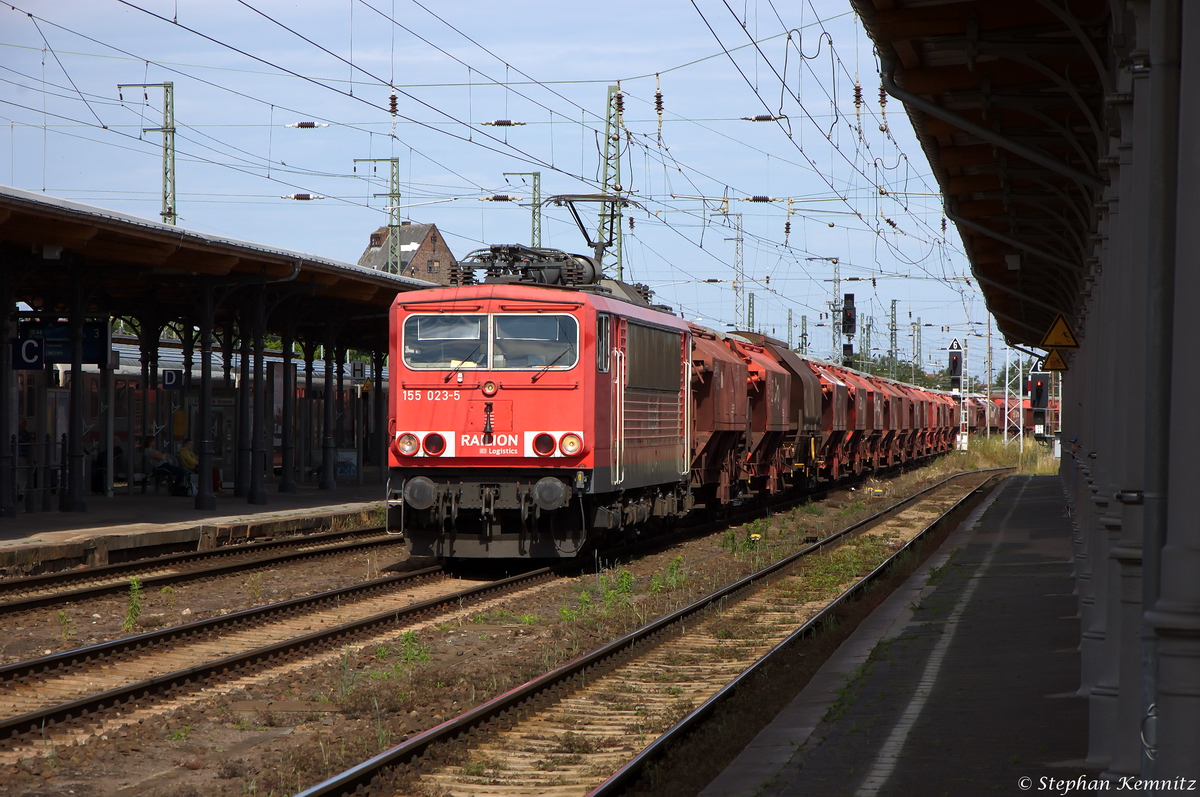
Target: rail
point(83, 708)
point(115, 577)
point(547, 688)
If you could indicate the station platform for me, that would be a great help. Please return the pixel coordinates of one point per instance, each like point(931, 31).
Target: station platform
point(118, 528)
point(962, 682)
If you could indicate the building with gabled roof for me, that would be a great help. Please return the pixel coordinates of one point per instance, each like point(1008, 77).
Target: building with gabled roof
point(423, 252)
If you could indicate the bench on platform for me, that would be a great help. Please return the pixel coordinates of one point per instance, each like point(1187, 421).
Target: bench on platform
point(158, 478)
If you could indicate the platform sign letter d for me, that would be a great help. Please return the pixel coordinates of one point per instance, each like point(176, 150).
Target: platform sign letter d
point(172, 380)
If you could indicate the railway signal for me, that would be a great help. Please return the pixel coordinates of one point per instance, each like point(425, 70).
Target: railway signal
point(955, 366)
point(1039, 399)
point(849, 316)
point(1039, 387)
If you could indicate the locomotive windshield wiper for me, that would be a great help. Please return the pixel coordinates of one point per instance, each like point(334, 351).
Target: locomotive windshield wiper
point(570, 348)
point(553, 362)
point(461, 363)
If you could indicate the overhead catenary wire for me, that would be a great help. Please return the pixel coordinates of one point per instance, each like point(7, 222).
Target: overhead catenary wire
point(662, 168)
point(790, 137)
point(224, 87)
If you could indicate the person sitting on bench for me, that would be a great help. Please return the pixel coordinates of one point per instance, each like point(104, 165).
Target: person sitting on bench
point(187, 458)
point(162, 464)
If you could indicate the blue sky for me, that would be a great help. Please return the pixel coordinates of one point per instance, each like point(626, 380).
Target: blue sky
point(861, 189)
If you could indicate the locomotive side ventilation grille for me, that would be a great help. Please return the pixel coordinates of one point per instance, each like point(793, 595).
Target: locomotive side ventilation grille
point(654, 382)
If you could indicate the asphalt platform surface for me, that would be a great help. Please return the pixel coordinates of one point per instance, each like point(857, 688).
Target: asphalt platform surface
point(963, 682)
point(150, 518)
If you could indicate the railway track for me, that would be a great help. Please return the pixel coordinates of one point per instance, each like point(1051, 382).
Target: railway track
point(84, 684)
point(88, 685)
point(48, 589)
point(612, 710)
point(32, 592)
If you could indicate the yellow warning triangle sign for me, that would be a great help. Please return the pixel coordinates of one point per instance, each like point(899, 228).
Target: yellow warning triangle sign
point(1060, 335)
point(1054, 361)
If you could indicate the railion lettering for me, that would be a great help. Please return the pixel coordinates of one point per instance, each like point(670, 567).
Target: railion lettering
point(496, 440)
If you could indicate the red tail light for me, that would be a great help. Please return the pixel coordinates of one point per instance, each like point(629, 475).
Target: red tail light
point(434, 444)
point(544, 445)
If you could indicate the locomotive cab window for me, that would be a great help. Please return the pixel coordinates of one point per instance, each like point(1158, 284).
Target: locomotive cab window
point(535, 341)
point(602, 342)
point(445, 341)
point(498, 341)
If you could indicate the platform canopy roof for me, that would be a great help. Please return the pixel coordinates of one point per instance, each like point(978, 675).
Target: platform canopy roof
point(55, 252)
point(1015, 107)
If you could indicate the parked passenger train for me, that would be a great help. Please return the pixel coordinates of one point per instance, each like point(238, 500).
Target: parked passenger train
point(169, 415)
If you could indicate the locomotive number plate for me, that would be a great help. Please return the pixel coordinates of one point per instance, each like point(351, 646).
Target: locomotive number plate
point(432, 395)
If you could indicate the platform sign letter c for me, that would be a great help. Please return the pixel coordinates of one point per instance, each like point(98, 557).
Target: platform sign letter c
point(29, 354)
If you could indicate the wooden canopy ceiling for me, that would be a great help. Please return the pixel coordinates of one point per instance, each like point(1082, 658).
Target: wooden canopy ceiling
point(1014, 105)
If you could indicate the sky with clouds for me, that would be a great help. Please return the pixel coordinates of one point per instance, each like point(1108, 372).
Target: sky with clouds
point(859, 186)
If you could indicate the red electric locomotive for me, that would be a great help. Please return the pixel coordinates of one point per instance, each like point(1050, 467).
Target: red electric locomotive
point(548, 409)
point(536, 410)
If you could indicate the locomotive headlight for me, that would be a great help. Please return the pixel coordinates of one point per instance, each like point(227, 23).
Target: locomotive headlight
point(489, 388)
point(570, 445)
point(543, 445)
point(407, 444)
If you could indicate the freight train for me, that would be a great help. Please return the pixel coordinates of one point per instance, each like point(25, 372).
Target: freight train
point(545, 410)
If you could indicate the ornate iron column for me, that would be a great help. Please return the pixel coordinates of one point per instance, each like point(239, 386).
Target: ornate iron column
point(205, 499)
point(287, 476)
point(328, 447)
point(258, 451)
point(75, 457)
point(8, 503)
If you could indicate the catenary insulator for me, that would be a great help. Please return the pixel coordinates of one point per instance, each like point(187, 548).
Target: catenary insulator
point(658, 104)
